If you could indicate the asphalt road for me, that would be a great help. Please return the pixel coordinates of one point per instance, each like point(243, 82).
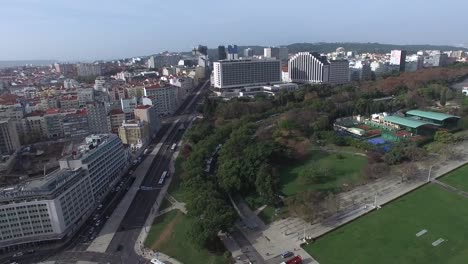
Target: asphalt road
point(124, 240)
point(121, 248)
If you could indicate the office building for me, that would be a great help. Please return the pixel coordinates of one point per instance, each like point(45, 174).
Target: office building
point(134, 133)
point(163, 60)
point(232, 52)
point(97, 117)
point(398, 57)
point(339, 72)
point(85, 95)
point(248, 52)
point(9, 140)
point(53, 122)
point(279, 53)
point(163, 98)
point(309, 67)
point(235, 74)
point(89, 69)
point(222, 54)
point(149, 115)
point(45, 209)
point(104, 159)
point(68, 102)
point(127, 106)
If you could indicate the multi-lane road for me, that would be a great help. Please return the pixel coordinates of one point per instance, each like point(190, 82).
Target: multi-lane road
point(121, 247)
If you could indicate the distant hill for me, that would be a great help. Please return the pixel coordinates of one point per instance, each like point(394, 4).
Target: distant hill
point(18, 63)
point(324, 47)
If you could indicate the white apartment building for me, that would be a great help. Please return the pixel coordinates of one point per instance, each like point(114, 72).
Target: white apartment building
point(88, 69)
point(103, 157)
point(309, 67)
point(163, 98)
point(47, 208)
point(237, 74)
point(85, 95)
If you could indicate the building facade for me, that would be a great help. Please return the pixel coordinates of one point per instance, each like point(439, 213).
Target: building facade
point(164, 98)
point(235, 74)
point(89, 69)
point(339, 72)
point(9, 140)
point(134, 133)
point(309, 67)
point(398, 57)
point(149, 115)
point(103, 157)
point(97, 117)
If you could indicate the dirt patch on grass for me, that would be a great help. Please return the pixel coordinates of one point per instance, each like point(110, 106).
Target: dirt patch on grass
point(166, 234)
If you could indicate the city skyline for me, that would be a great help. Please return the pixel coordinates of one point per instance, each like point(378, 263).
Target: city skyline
point(85, 30)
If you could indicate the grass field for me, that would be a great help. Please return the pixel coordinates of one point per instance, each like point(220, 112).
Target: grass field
point(389, 235)
point(345, 170)
point(457, 178)
point(169, 236)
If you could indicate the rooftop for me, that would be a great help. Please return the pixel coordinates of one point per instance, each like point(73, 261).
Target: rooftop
point(43, 186)
point(407, 122)
point(430, 115)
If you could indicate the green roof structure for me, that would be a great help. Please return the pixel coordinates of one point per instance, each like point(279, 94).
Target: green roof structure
point(430, 115)
point(407, 122)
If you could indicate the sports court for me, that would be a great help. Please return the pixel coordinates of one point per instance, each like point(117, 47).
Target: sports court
point(428, 225)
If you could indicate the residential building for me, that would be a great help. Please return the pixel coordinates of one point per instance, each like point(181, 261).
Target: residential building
point(398, 57)
point(70, 84)
point(339, 72)
point(75, 125)
point(127, 107)
point(309, 67)
point(85, 95)
point(104, 159)
point(65, 68)
point(440, 60)
point(149, 115)
point(116, 118)
point(34, 126)
point(53, 122)
point(97, 118)
point(163, 60)
point(88, 69)
point(9, 140)
point(222, 54)
point(134, 133)
point(163, 98)
point(45, 209)
point(235, 74)
point(68, 102)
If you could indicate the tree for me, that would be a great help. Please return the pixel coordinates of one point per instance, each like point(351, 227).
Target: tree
point(266, 183)
point(395, 155)
point(444, 137)
point(408, 171)
point(443, 97)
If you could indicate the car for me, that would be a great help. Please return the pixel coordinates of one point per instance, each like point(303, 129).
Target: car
point(99, 206)
point(31, 251)
point(287, 254)
point(19, 254)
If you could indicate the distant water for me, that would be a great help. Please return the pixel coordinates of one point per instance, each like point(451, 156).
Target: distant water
point(6, 64)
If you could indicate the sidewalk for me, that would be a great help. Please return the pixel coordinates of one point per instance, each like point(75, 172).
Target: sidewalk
point(139, 245)
point(104, 238)
point(287, 234)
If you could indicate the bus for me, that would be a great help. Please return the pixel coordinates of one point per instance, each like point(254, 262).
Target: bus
point(163, 177)
point(173, 146)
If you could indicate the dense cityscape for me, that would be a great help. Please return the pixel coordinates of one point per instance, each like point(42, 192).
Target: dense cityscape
point(256, 153)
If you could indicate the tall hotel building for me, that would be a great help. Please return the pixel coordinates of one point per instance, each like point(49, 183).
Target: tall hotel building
point(308, 67)
point(238, 74)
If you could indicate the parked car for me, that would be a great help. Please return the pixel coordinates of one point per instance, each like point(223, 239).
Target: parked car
point(287, 254)
point(18, 254)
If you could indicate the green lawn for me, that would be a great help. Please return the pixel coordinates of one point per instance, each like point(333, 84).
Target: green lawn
point(457, 178)
point(169, 236)
point(268, 214)
point(175, 189)
point(389, 235)
point(345, 170)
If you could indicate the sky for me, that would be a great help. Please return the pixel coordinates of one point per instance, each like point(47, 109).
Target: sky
point(71, 30)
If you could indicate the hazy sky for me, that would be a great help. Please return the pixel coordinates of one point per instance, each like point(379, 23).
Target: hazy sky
point(104, 29)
